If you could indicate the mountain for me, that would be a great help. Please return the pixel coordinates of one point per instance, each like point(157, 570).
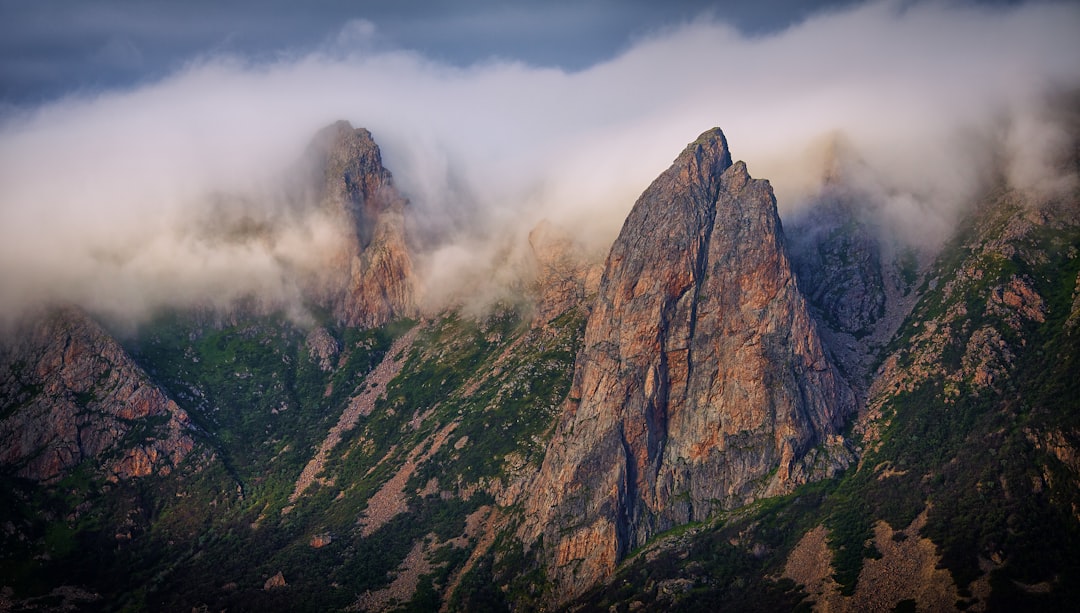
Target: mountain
point(359, 192)
point(838, 261)
point(728, 411)
point(965, 493)
point(71, 394)
point(702, 384)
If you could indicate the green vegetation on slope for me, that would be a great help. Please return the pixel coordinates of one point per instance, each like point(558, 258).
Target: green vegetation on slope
point(979, 426)
point(212, 532)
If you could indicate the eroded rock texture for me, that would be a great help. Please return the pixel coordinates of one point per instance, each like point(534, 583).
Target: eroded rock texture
point(702, 383)
point(360, 193)
point(566, 275)
point(69, 392)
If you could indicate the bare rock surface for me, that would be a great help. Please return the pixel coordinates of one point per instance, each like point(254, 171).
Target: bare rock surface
point(702, 384)
point(378, 280)
point(69, 392)
point(389, 501)
point(839, 264)
point(907, 570)
point(275, 582)
point(566, 273)
point(323, 348)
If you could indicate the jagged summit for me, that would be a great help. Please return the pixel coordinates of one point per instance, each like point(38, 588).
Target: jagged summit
point(354, 180)
point(702, 383)
point(712, 142)
point(378, 283)
point(516, 459)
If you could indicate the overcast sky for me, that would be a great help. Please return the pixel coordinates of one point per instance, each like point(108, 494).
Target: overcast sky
point(133, 133)
point(51, 47)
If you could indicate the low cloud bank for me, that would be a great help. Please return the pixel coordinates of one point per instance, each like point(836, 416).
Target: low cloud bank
point(171, 193)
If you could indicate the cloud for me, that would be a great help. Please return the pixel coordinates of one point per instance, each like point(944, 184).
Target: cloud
point(103, 197)
point(356, 34)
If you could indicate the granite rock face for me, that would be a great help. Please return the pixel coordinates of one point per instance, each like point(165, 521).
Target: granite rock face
point(377, 283)
point(702, 383)
point(69, 392)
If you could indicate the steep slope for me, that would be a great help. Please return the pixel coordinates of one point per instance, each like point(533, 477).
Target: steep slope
point(702, 384)
point(452, 412)
point(566, 275)
point(378, 284)
point(965, 496)
point(839, 265)
point(329, 467)
point(69, 392)
point(973, 416)
point(664, 429)
point(859, 281)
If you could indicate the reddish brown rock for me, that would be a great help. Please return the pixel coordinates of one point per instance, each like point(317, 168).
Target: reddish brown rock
point(68, 392)
point(702, 383)
point(1016, 301)
point(566, 274)
point(377, 283)
point(275, 582)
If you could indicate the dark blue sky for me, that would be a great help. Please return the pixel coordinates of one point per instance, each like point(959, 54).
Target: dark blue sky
point(52, 47)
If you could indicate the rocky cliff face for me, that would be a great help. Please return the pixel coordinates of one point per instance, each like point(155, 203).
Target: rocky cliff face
point(702, 383)
point(839, 265)
point(566, 275)
point(69, 392)
point(360, 193)
point(686, 377)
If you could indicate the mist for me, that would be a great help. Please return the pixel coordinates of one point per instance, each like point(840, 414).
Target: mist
point(170, 193)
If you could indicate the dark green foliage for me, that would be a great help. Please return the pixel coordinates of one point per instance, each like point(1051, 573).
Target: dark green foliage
point(905, 606)
point(981, 462)
point(514, 404)
point(973, 454)
point(731, 563)
point(478, 590)
point(214, 530)
point(254, 381)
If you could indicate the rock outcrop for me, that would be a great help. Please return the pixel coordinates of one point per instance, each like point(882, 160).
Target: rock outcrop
point(702, 383)
point(378, 282)
point(838, 262)
point(322, 348)
point(566, 274)
point(69, 392)
point(275, 582)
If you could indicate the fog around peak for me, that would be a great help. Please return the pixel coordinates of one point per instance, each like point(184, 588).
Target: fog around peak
point(171, 192)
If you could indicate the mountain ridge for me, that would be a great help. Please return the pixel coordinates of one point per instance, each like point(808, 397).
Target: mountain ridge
point(676, 430)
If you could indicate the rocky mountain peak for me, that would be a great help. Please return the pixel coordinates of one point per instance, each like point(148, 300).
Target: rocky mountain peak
point(377, 270)
point(354, 180)
point(702, 383)
point(707, 155)
point(840, 264)
point(565, 272)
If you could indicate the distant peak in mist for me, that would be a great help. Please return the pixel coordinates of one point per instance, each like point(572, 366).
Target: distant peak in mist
point(184, 190)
